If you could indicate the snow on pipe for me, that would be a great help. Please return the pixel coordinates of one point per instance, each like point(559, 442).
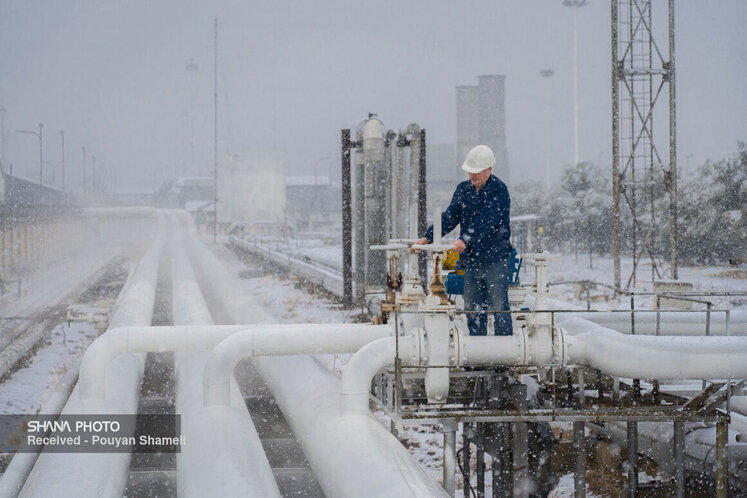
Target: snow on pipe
point(363, 366)
point(22, 463)
point(104, 474)
point(351, 456)
point(147, 339)
point(581, 342)
point(653, 357)
point(592, 345)
point(237, 465)
point(330, 280)
point(311, 339)
point(122, 212)
point(670, 323)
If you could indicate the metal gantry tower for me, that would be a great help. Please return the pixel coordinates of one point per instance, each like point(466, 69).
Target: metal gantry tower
point(643, 177)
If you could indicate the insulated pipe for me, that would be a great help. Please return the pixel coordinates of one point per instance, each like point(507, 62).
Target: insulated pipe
point(652, 357)
point(22, 463)
point(671, 323)
point(96, 474)
point(237, 465)
point(367, 460)
point(107, 347)
point(352, 455)
point(121, 212)
point(312, 339)
point(367, 362)
point(331, 281)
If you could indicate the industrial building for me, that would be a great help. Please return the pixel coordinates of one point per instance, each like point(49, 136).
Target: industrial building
point(481, 119)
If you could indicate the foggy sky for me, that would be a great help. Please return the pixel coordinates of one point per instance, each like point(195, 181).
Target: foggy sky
point(114, 76)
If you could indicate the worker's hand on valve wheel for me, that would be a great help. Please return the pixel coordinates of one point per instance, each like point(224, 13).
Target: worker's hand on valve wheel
point(459, 246)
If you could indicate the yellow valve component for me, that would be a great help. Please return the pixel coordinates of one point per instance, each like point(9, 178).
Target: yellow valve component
point(450, 260)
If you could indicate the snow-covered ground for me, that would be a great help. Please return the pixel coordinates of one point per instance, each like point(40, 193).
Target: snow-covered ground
point(26, 389)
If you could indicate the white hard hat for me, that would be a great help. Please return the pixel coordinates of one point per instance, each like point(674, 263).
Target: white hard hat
point(478, 159)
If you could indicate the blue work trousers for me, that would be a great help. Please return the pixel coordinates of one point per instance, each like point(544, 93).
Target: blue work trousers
point(486, 288)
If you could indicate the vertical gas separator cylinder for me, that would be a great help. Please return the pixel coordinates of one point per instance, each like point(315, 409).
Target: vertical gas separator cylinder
point(375, 199)
point(359, 227)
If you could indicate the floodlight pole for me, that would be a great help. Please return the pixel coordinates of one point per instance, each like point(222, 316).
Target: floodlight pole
point(215, 136)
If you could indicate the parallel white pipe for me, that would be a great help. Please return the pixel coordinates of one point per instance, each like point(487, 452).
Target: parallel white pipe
point(367, 362)
point(590, 344)
point(311, 339)
point(121, 212)
point(237, 465)
point(653, 357)
point(329, 280)
point(104, 474)
point(103, 351)
point(22, 463)
point(677, 323)
point(688, 323)
point(351, 456)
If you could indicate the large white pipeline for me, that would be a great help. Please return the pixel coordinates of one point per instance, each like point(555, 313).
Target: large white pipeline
point(310, 339)
point(652, 357)
point(237, 465)
point(582, 343)
point(104, 474)
point(22, 463)
point(670, 322)
point(688, 323)
point(93, 381)
point(121, 212)
point(367, 362)
point(351, 456)
point(329, 280)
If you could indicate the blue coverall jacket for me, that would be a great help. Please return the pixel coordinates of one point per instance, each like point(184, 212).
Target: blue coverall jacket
point(483, 216)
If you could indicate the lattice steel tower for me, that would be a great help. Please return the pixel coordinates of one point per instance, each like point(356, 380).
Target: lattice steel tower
point(640, 176)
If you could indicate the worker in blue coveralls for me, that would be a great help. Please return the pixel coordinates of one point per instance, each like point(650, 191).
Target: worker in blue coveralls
point(481, 207)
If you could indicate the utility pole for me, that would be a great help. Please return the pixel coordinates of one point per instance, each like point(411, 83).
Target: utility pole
point(577, 4)
point(547, 74)
point(41, 155)
point(84, 168)
point(2, 132)
point(215, 136)
point(62, 143)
